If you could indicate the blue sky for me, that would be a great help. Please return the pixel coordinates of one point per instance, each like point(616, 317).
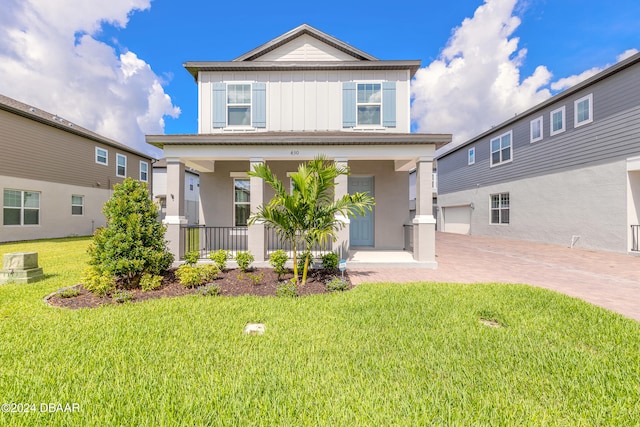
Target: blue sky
point(116, 67)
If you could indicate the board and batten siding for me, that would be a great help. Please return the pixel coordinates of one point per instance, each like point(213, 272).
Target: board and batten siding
point(33, 150)
point(613, 135)
point(305, 48)
point(304, 100)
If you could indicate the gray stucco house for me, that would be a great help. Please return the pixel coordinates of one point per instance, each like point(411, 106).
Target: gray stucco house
point(566, 171)
point(299, 95)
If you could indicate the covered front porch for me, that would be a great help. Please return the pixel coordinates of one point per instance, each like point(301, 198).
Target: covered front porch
point(379, 164)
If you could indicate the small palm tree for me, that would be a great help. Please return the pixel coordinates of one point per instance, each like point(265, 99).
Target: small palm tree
point(309, 213)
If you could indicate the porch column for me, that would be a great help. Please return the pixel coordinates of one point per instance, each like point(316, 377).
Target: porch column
point(424, 224)
point(341, 246)
point(255, 234)
point(175, 207)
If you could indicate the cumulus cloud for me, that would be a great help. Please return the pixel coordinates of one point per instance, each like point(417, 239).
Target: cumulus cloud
point(50, 58)
point(476, 83)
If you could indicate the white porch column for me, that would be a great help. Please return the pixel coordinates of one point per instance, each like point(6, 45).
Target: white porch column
point(424, 224)
point(341, 246)
point(175, 207)
point(256, 237)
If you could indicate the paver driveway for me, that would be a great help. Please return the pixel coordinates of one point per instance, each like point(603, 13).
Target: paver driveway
point(606, 279)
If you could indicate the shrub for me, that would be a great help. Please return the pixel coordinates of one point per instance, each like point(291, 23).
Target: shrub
point(337, 284)
point(244, 260)
point(220, 257)
point(69, 292)
point(99, 282)
point(191, 275)
point(149, 282)
point(122, 296)
point(133, 241)
point(209, 290)
point(256, 278)
point(278, 259)
point(301, 259)
point(287, 289)
point(330, 261)
point(192, 257)
point(209, 272)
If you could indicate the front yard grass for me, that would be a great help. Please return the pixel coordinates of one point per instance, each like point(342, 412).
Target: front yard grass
point(381, 354)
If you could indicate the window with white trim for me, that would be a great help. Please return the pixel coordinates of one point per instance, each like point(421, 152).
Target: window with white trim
point(144, 171)
point(500, 208)
point(583, 110)
point(501, 148)
point(471, 156)
point(21, 207)
point(238, 105)
point(369, 104)
point(77, 205)
point(121, 165)
point(557, 121)
point(102, 156)
point(241, 201)
point(535, 127)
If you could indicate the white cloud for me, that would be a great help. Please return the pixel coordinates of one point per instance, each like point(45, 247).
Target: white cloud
point(49, 58)
point(476, 82)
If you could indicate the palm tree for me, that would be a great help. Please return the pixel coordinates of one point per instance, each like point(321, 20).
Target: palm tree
point(309, 213)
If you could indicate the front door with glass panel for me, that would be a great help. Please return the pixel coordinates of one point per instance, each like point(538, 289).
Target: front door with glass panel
point(361, 228)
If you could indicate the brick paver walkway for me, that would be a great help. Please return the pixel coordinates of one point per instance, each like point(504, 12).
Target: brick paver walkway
point(605, 279)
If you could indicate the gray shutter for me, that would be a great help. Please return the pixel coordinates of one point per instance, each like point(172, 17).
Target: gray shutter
point(219, 105)
point(389, 104)
point(259, 105)
point(348, 104)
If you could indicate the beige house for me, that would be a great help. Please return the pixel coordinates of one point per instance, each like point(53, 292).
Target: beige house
point(56, 176)
point(302, 94)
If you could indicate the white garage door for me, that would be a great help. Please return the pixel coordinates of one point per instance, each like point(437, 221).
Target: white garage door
point(457, 219)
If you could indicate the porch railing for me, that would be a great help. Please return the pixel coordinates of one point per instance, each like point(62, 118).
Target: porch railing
point(274, 242)
point(209, 239)
point(408, 237)
point(635, 238)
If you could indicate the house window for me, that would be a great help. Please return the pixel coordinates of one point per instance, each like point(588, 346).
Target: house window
point(536, 129)
point(583, 110)
point(77, 205)
point(239, 105)
point(557, 121)
point(144, 171)
point(471, 156)
point(21, 207)
point(369, 103)
point(102, 156)
point(501, 149)
point(121, 165)
point(241, 202)
point(500, 208)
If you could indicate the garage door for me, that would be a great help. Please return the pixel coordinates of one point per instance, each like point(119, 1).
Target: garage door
point(457, 219)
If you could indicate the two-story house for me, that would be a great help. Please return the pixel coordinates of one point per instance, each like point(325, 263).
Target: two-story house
point(55, 176)
point(300, 95)
point(566, 171)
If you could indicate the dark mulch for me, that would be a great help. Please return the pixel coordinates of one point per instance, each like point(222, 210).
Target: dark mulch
point(232, 282)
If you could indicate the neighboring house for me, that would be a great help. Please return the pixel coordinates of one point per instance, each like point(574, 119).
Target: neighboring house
point(191, 192)
point(566, 172)
point(303, 94)
point(56, 176)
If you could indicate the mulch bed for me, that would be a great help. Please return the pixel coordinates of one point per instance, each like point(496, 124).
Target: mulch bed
point(232, 282)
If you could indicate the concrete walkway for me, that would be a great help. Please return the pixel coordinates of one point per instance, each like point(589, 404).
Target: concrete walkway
point(605, 279)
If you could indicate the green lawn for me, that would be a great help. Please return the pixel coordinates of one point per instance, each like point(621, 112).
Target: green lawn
point(381, 354)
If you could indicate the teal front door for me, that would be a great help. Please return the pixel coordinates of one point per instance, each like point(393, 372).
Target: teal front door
point(361, 230)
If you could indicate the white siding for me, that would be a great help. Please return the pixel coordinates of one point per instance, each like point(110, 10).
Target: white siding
point(306, 48)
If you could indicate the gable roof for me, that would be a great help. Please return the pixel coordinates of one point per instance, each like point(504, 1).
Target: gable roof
point(16, 107)
point(622, 65)
point(250, 61)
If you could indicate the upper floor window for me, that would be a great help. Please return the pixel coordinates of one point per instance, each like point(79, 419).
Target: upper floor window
point(239, 105)
point(536, 129)
point(557, 121)
point(102, 156)
point(583, 110)
point(121, 165)
point(471, 156)
point(21, 207)
point(144, 171)
point(501, 148)
point(369, 104)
